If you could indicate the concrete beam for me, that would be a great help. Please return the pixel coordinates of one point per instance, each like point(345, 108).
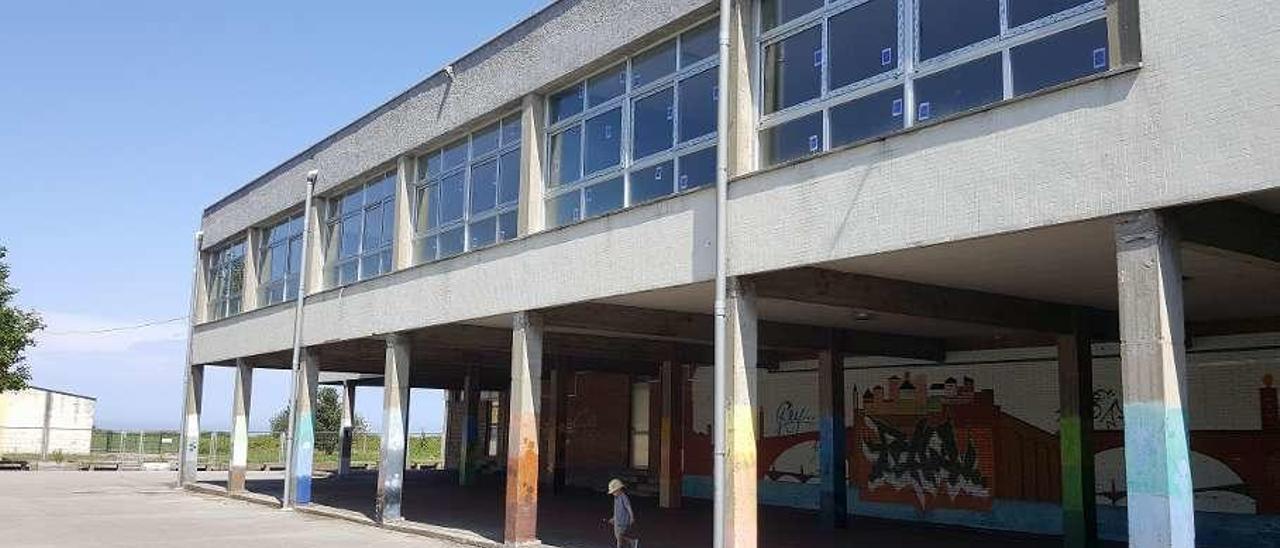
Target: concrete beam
point(870, 293)
point(1075, 438)
point(302, 457)
point(346, 434)
point(395, 426)
point(740, 528)
point(190, 443)
point(671, 434)
point(1230, 229)
point(1154, 374)
point(834, 491)
point(522, 441)
point(240, 399)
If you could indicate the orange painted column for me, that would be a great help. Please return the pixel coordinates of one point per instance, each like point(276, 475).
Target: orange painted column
point(522, 437)
point(741, 474)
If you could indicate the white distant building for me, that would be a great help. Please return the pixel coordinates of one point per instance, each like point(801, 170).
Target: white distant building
point(38, 421)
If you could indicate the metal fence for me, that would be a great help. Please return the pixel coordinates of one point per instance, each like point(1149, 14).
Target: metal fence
point(132, 448)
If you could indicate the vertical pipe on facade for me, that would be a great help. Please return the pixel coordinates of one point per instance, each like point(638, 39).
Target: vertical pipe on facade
point(721, 368)
point(191, 331)
point(304, 272)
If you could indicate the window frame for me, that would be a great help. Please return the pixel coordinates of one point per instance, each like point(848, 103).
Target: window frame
point(293, 272)
point(422, 184)
point(626, 101)
point(334, 217)
point(909, 66)
point(219, 299)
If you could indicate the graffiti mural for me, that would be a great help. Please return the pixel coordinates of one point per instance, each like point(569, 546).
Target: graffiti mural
point(927, 462)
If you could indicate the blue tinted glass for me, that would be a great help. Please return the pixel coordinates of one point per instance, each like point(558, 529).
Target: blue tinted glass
point(566, 103)
point(653, 120)
point(652, 182)
point(700, 43)
point(485, 141)
point(1063, 57)
point(351, 202)
point(961, 88)
point(607, 85)
point(871, 116)
point(484, 232)
point(455, 155)
point(507, 226)
point(373, 228)
point(370, 266)
point(347, 272)
point(452, 198)
point(428, 249)
point(484, 186)
point(947, 25)
point(864, 42)
point(511, 127)
point(604, 141)
point(653, 64)
point(777, 12)
point(1022, 12)
point(452, 242)
point(793, 70)
point(349, 231)
point(604, 197)
point(509, 178)
point(697, 169)
point(565, 208)
point(795, 139)
point(698, 105)
point(429, 165)
point(566, 156)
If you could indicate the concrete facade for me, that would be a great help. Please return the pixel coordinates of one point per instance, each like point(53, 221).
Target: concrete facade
point(946, 247)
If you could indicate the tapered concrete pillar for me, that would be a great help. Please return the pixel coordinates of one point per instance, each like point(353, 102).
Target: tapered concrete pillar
point(1153, 369)
point(347, 432)
point(740, 460)
point(240, 398)
point(190, 443)
point(1075, 438)
point(395, 427)
point(469, 448)
point(522, 439)
point(302, 457)
point(832, 454)
point(671, 436)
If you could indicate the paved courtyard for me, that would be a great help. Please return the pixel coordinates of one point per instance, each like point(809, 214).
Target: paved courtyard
point(55, 509)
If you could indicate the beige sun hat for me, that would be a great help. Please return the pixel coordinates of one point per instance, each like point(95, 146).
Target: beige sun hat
point(615, 485)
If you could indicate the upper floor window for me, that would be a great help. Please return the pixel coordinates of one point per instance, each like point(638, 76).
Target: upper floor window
point(281, 261)
point(361, 231)
point(637, 131)
point(468, 193)
point(842, 71)
point(225, 277)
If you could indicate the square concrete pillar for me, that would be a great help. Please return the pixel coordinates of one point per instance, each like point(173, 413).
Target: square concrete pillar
point(1075, 438)
point(240, 398)
point(671, 435)
point(741, 137)
point(395, 427)
point(402, 248)
point(470, 449)
point(1153, 367)
point(190, 442)
point(531, 217)
point(251, 295)
point(522, 437)
point(832, 453)
point(347, 433)
point(741, 471)
point(302, 449)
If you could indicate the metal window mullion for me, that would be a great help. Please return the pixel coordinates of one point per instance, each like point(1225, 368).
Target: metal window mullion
point(627, 139)
point(1006, 64)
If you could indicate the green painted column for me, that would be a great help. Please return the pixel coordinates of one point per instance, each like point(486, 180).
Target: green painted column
point(1075, 438)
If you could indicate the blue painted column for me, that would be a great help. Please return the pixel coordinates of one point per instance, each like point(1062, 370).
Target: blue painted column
point(304, 435)
point(1153, 369)
point(832, 456)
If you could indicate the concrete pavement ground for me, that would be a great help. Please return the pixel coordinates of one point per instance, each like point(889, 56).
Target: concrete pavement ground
point(64, 509)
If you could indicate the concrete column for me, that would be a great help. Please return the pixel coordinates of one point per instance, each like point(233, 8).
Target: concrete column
point(1153, 369)
point(451, 433)
point(1075, 438)
point(671, 435)
point(832, 454)
point(250, 297)
point(240, 398)
point(743, 155)
point(532, 213)
point(319, 246)
point(304, 434)
point(469, 449)
point(45, 424)
point(395, 426)
point(190, 442)
point(522, 457)
point(557, 424)
point(347, 433)
point(740, 391)
point(402, 250)
point(504, 421)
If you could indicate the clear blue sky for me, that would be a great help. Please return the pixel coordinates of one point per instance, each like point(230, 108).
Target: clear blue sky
point(120, 121)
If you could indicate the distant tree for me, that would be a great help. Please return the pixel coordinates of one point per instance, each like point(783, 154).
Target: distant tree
point(328, 423)
point(17, 334)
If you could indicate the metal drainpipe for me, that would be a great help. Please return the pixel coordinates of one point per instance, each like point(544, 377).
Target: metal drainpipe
point(304, 272)
point(191, 329)
point(721, 370)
